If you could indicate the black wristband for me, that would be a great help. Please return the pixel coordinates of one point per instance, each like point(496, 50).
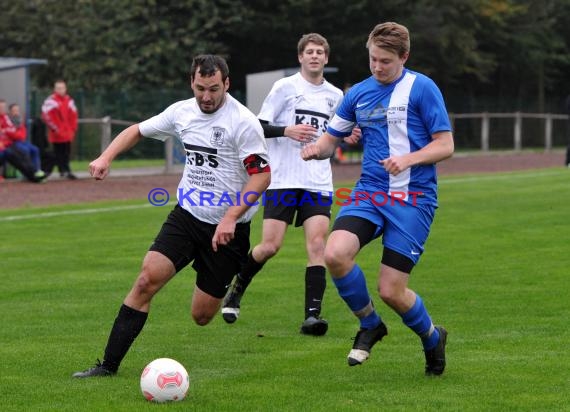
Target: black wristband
point(272, 131)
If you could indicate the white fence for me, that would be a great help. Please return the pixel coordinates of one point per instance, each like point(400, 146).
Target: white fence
point(518, 118)
point(485, 135)
point(106, 124)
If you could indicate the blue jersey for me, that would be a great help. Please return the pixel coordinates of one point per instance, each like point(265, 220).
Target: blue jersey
point(395, 119)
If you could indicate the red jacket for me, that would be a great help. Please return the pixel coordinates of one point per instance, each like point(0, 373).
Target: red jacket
point(4, 141)
point(60, 115)
point(13, 132)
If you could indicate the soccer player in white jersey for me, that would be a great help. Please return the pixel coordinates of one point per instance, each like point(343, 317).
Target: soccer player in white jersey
point(405, 131)
point(296, 111)
point(226, 157)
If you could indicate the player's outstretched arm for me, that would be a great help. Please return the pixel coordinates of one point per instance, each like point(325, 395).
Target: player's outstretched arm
point(322, 149)
point(99, 168)
point(255, 186)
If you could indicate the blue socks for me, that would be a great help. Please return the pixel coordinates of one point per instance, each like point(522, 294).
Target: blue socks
point(352, 289)
point(418, 320)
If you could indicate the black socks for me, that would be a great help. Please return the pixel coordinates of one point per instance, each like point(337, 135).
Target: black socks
point(128, 324)
point(249, 270)
point(315, 284)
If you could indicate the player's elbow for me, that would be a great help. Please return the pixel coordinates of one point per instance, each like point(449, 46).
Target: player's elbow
point(447, 149)
point(446, 145)
point(265, 180)
point(450, 147)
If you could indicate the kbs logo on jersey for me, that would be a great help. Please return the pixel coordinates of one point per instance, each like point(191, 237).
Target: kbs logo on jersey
point(319, 121)
point(202, 156)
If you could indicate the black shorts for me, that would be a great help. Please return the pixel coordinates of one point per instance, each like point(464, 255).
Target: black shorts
point(184, 238)
point(281, 204)
point(366, 231)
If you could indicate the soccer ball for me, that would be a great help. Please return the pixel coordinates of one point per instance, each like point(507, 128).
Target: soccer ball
point(164, 380)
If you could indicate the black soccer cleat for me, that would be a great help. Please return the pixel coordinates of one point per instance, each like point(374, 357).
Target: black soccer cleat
point(97, 370)
point(230, 306)
point(363, 343)
point(314, 326)
point(435, 358)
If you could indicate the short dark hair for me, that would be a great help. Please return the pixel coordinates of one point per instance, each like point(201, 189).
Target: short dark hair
point(12, 105)
point(208, 65)
point(312, 38)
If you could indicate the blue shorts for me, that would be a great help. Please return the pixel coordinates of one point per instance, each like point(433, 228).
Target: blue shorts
point(404, 227)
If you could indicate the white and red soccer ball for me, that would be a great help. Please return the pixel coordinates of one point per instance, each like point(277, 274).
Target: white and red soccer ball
point(164, 380)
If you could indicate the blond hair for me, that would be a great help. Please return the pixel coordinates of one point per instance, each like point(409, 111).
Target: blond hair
point(390, 36)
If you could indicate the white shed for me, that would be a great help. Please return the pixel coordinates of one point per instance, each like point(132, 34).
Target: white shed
point(15, 80)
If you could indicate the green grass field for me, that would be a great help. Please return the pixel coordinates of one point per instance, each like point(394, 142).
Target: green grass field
point(495, 273)
point(83, 165)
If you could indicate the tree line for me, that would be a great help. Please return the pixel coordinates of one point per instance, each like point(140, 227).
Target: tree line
point(484, 54)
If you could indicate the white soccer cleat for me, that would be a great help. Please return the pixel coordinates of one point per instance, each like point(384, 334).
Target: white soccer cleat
point(357, 356)
point(363, 343)
point(230, 314)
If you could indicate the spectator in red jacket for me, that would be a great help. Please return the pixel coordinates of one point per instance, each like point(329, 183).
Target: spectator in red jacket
point(18, 133)
point(18, 159)
point(60, 115)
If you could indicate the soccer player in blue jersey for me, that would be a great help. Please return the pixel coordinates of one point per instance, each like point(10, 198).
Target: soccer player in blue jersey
point(405, 131)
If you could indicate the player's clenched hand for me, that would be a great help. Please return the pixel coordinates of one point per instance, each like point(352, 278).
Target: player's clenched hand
point(395, 164)
point(301, 132)
point(310, 152)
point(99, 168)
point(354, 137)
point(224, 232)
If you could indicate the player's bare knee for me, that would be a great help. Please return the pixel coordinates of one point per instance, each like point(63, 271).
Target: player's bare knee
point(387, 296)
point(201, 319)
point(334, 261)
point(270, 249)
point(392, 297)
point(143, 284)
point(331, 259)
point(316, 249)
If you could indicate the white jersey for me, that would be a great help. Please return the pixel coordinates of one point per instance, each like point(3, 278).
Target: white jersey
point(216, 145)
point(294, 100)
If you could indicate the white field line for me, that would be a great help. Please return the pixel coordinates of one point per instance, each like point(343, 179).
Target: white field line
point(443, 181)
point(44, 215)
point(494, 177)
